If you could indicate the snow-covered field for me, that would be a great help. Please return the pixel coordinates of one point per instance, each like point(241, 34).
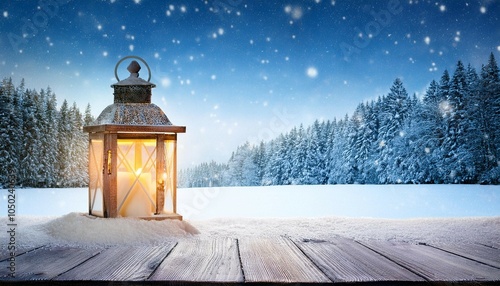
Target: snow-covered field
point(416, 213)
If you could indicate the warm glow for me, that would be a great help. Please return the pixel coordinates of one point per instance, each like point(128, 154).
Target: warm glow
point(138, 172)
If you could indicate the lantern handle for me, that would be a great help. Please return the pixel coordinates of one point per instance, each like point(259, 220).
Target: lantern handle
point(131, 57)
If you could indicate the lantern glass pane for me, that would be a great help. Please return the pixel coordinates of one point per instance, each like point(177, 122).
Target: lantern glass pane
point(170, 180)
point(136, 177)
point(95, 177)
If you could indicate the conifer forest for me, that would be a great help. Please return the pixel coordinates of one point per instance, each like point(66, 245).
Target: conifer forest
point(450, 135)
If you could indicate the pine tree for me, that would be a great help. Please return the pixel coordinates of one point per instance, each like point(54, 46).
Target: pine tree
point(30, 164)
point(489, 106)
point(458, 157)
point(64, 140)
point(393, 112)
point(5, 140)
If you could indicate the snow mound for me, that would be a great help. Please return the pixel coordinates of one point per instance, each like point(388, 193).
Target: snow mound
point(83, 230)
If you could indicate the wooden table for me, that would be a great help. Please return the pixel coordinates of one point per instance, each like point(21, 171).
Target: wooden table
point(263, 261)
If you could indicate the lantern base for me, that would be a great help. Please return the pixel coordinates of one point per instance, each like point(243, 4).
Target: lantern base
point(162, 216)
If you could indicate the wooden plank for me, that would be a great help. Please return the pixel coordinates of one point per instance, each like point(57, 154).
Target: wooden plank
point(477, 252)
point(277, 260)
point(434, 264)
point(209, 260)
point(46, 263)
point(20, 249)
point(344, 260)
point(120, 264)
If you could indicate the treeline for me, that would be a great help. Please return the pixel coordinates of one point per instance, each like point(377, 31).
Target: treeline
point(41, 145)
point(451, 135)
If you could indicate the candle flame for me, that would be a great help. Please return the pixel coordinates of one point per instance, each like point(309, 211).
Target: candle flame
point(138, 172)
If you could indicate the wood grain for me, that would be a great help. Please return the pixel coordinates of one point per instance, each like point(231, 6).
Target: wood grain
point(208, 260)
point(47, 263)
point(481, 253)
point(120, 264)
point(344, 260)
point(434, 264)
point(20, 249)
point(277, 260)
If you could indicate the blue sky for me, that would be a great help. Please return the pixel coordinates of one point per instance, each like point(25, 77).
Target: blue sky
point(237, 70)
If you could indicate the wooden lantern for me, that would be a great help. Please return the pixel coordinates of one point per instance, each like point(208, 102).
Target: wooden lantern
point(133, 154)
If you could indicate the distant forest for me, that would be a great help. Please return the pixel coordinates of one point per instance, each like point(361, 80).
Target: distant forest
point(451, 135)
point(41, 145)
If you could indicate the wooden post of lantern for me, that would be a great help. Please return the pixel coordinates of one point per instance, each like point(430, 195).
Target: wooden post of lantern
point(133, 154)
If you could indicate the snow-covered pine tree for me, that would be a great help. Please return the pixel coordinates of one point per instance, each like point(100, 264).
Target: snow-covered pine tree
point(79, 149)
point(30, 159)
point(64, 141)
point(51, 136)
point(393, 112)
point(297, 148)
point(88, 118)
point(5, 140)
point(458, 158)
point(489, 91)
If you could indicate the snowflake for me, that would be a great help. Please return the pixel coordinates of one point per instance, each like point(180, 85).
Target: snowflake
point(427, 40)
point(5, 14)
point(312, 72)
point(482, 9)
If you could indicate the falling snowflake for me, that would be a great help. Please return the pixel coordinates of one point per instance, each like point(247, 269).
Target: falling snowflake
point(165, 82)
point(312, 72)
point(482, 9)
point(5, 14)
point(427, 40)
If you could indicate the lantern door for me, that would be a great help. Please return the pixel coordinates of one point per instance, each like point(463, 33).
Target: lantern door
point(96, 163)
point(136, 177)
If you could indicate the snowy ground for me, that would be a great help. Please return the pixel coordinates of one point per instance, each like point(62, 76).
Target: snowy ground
point(448, 213)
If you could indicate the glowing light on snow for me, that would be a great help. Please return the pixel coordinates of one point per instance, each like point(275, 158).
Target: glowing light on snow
point(445, 107)
point(482, 9)
point(312, 72)
point(427, 40)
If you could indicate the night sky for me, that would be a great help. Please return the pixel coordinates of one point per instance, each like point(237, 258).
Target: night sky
point(237, 70)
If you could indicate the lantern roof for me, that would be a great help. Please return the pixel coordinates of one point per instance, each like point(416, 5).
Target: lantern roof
point(132, 102)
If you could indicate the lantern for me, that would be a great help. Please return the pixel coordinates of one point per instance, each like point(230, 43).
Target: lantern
point(133, 154)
